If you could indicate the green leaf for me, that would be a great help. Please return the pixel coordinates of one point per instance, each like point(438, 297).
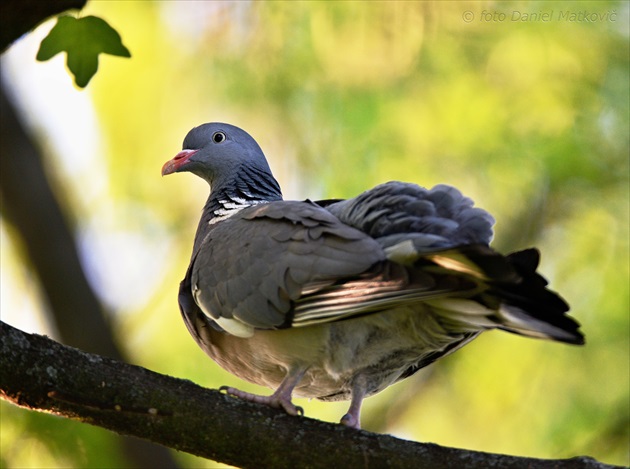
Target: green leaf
point(82, 39)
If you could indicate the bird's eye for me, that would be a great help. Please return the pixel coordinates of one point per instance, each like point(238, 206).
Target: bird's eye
point(218, 137)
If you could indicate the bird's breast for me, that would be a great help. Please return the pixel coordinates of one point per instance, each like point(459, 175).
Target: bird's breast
point(380, 347)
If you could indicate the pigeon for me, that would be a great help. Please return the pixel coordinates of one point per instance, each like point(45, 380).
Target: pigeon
point(339, 299)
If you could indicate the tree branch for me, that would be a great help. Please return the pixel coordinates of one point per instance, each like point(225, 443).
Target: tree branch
point(20, 16)
point(41, 374)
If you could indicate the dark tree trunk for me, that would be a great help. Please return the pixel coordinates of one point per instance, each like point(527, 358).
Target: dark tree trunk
point(29, 204)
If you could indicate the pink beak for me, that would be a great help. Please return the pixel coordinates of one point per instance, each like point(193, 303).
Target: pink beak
point(172, 166)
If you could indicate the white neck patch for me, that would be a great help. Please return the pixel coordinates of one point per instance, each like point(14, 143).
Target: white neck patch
point(232, 207)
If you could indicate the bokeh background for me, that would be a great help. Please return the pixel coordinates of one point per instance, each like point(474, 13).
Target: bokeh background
point(529, 118)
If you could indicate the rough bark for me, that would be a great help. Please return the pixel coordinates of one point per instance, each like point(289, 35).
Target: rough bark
point(42, 375)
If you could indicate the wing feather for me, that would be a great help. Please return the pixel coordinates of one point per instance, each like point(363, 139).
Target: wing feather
point(253, 266)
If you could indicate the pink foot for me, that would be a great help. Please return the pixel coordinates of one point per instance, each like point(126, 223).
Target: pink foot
point(352, 418)
point(277, 400)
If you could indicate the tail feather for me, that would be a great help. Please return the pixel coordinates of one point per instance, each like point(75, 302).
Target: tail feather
point(513, 297)
point(529, 307)
point(517, 321)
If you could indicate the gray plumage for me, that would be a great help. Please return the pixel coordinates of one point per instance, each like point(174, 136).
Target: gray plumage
point(340, 299)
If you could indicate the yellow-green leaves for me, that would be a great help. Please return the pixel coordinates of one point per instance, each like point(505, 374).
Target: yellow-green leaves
point(83, 39)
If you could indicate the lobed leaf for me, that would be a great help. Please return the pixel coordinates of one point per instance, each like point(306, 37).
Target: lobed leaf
point(83, 39)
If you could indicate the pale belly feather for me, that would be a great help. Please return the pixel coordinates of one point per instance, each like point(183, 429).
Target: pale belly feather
point(379, 347)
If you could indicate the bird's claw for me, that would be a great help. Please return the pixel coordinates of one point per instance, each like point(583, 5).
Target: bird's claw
point(275, 400)
point(351, 421)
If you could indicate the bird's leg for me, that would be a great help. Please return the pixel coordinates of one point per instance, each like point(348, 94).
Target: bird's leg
point(352, 418)
point(280, 399)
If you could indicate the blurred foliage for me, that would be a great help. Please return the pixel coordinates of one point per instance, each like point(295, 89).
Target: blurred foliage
point(530, 119)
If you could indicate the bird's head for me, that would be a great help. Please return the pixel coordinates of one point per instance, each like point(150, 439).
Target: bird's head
point(217, 152)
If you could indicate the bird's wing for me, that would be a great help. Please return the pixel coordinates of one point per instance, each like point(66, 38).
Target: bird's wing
point(462, 273)
point(293, 264)
point(470, 287)
point(439, 232)
point(252, 267)
point(289, 264)
point(440, 217)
